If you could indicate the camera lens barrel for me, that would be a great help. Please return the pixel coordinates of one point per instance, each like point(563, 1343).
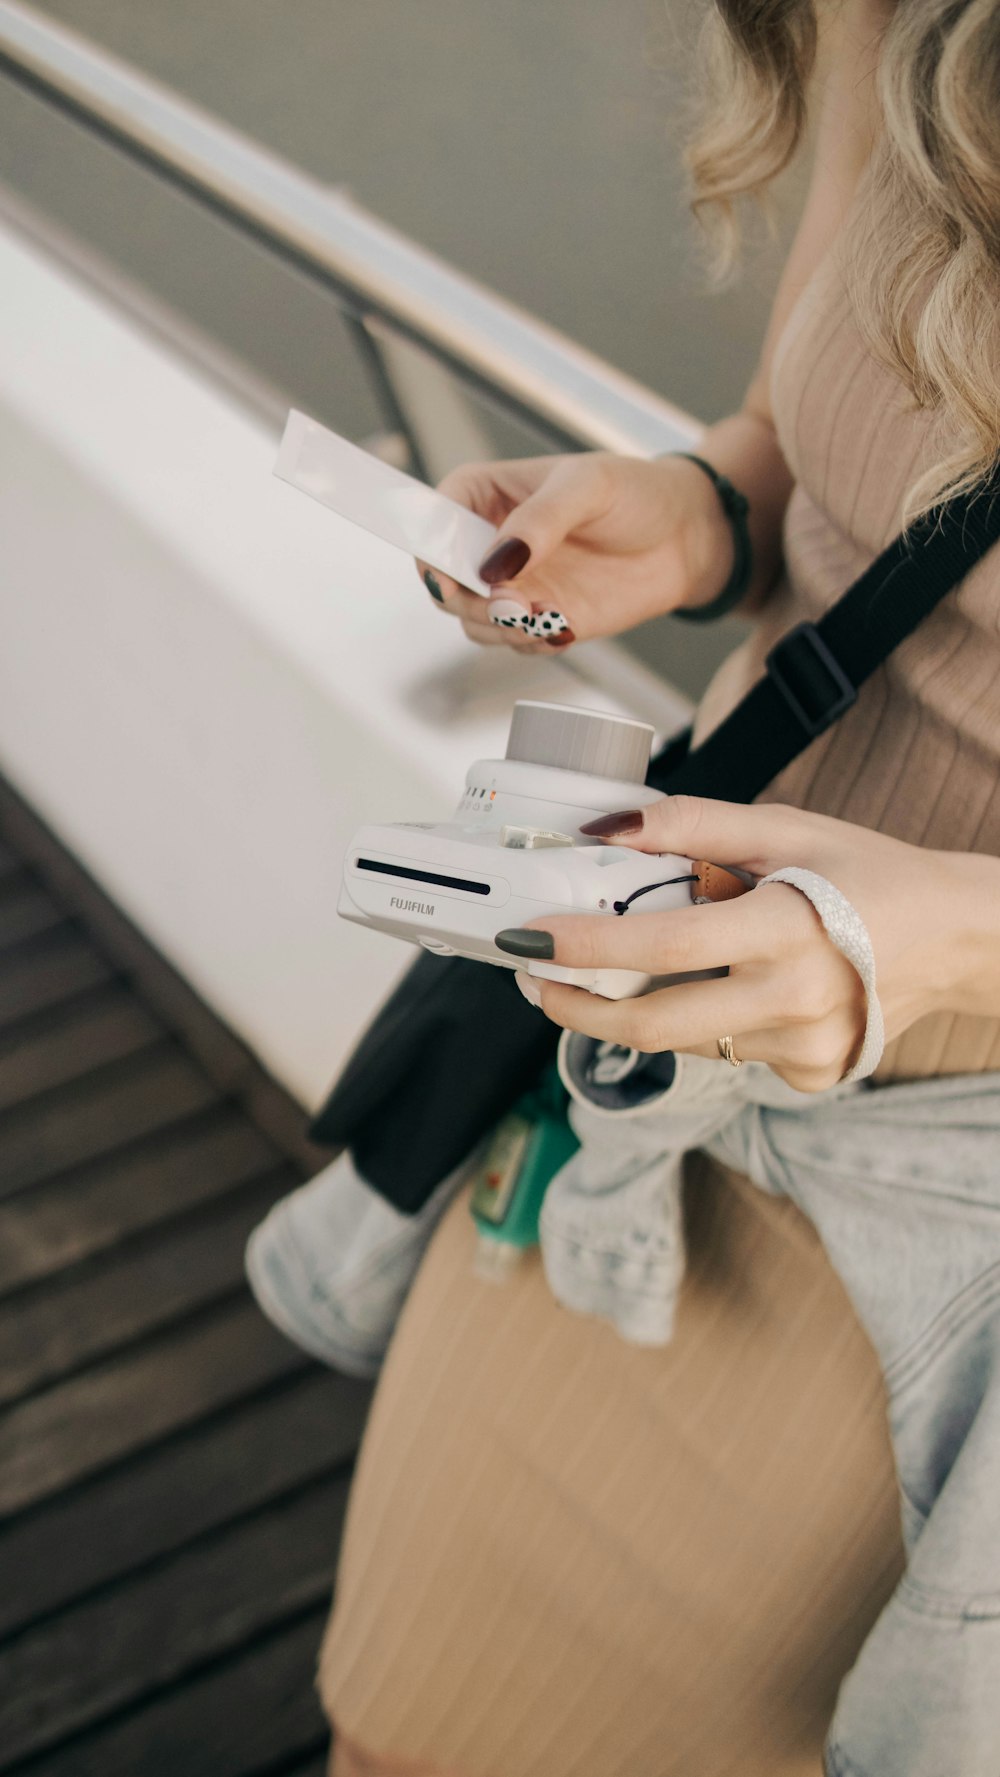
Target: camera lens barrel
point(580, 740)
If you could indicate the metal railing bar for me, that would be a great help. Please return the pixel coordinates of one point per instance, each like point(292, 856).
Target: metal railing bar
point(494, 347)
point(393, 412)
point(229, 372)
point(353, 306)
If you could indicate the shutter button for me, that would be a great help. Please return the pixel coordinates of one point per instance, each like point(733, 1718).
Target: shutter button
point(533, 838)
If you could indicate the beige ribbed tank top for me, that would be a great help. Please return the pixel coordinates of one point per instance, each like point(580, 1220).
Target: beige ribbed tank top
point(918, 756)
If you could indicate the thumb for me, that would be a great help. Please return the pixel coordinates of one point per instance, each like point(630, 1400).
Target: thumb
point(756, 838)
point(572, 494)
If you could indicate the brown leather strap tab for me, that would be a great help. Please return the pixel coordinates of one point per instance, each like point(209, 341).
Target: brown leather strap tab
point(716, 884)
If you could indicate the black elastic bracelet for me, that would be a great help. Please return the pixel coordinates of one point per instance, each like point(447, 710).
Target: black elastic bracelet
point(736, 507)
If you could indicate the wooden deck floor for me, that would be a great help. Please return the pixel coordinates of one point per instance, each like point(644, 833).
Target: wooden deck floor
point(172, 1473)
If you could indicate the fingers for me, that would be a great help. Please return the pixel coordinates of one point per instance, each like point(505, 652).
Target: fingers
point(502, 492)
point(446, 593)
point(691, 1017)
point(475, 615)
point(686, 1016)
point(491, 489)
point(536, 503)
point(469, 607)
point(754, 927)
point(486, 635)
point(540, 623)
point(575, 491)
point(811, 1061)
point(759, 837)
point(539, 632)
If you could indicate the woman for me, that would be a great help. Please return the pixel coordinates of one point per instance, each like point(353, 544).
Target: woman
point(568, 1555)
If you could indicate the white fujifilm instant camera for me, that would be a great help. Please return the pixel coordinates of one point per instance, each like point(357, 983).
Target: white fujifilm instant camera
point(514, 851)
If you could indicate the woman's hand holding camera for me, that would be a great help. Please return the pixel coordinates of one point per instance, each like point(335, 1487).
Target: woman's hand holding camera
point(602, 543)
point(790, 999)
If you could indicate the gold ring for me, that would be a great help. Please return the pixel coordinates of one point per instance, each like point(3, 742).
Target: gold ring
point(725, 1048)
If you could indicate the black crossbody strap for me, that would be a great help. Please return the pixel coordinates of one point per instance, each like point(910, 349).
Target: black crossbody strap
point(814, 673)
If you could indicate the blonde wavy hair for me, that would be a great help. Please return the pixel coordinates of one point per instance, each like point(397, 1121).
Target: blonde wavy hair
point(923, 245)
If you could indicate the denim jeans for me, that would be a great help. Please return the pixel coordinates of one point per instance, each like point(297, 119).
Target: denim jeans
point(902, 1183)
point(331, 1264)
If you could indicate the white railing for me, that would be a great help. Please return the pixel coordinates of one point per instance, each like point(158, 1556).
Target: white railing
point(374, 272)
point(207, 682)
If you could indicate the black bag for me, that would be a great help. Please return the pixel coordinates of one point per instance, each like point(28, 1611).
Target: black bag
point(456, 1044)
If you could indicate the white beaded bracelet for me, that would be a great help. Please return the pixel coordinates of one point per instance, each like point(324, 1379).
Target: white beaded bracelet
point(846, 929)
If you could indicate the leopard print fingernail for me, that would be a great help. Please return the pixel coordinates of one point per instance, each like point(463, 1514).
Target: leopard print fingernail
point(547, 625)
point(508, 614)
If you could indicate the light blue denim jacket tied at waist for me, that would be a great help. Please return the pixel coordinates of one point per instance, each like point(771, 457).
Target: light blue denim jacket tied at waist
point(902, 1183)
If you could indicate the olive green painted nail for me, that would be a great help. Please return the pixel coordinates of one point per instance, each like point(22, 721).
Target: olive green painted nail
point(433, 586)
point(519, 941)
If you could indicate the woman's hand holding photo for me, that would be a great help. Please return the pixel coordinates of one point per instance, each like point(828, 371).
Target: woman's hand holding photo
point(591, 544)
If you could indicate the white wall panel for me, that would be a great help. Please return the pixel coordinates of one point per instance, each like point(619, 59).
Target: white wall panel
point(206, 682)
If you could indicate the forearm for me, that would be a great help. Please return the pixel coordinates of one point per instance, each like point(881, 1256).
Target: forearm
point(745, 448)
point(970, 962)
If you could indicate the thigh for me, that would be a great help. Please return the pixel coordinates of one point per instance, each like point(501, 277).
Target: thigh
point(568, 1555)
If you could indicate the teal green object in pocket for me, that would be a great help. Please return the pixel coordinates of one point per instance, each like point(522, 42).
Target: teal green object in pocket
point(527, 1148)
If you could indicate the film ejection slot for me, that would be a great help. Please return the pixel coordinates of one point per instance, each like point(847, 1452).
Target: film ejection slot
point(432, 878)
point(532, 838)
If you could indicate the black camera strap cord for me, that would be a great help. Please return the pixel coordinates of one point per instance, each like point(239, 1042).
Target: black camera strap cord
point(620, 907)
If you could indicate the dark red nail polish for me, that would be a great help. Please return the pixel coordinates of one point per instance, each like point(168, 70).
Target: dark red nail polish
point(505, 561)
point(607, 826)
point(564, 641)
